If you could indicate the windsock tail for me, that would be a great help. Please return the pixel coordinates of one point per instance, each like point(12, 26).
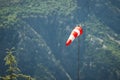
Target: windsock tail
point(68, 42)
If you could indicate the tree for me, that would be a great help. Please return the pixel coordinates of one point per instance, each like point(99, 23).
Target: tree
point(13, 70)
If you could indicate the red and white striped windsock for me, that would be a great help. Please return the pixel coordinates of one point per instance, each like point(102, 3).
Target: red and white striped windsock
point(77, 31)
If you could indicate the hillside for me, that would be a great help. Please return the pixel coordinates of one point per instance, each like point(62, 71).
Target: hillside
point(39, 28)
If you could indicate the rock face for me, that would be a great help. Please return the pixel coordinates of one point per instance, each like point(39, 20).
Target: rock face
point(38, 29)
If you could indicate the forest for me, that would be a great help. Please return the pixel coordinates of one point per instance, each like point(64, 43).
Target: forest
point(38, 30)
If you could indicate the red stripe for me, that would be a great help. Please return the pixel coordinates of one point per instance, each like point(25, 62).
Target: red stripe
point(75, 34)
point(80, 29)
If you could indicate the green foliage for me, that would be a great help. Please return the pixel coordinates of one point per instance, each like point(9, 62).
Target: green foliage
point(10, 59)
point(102, 53)
point(14, 10)
point(13, 70)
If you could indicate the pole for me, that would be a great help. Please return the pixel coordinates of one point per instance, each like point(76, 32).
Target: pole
point(78, 58)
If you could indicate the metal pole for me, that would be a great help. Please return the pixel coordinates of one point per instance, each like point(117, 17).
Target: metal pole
point(78, 58)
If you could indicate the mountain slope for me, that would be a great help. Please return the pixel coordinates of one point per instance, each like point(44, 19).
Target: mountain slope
point(39, 29)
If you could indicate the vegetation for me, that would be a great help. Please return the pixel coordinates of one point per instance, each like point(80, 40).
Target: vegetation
point(102, 54)
point(13, 70)
point(16, 10)
point(37, 20)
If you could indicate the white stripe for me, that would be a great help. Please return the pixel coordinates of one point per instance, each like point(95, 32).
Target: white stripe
point(71, 37)
point(76, 30)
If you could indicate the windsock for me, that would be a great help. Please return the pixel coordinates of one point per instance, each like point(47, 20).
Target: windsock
point(77, 31)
